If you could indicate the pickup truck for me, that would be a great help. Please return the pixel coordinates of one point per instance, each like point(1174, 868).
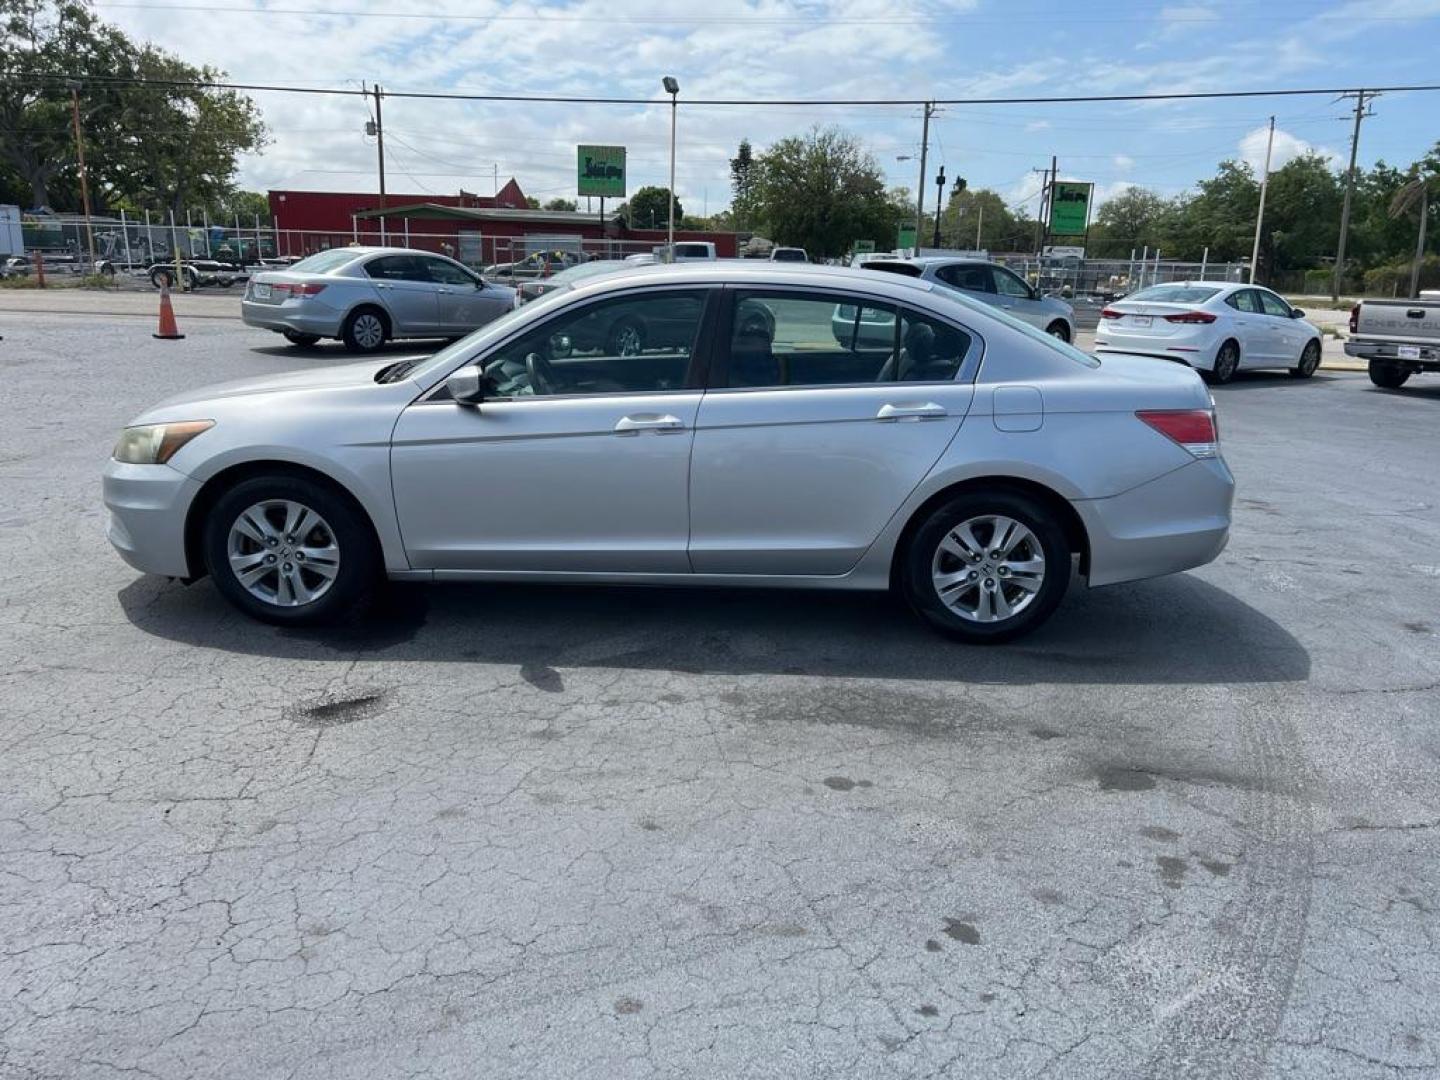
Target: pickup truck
point(1399, 338)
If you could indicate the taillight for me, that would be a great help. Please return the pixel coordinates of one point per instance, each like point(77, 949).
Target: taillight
point(1191, 317)
point(1355, 319)
point(1194, 429)
point(1111, 313)
point(284, 288)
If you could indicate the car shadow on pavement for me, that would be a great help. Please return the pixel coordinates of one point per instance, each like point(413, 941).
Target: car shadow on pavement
point(1178, 629)
point(334, 352)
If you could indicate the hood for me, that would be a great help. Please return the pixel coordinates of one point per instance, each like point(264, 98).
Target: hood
point(326, 378)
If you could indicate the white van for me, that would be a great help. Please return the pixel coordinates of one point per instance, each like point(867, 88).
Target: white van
point(688, 251)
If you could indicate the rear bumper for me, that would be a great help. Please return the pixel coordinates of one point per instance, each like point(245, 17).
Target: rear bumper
point(148, 505)
point(1372, 349)
point(1194, 348)
point(303, 319)
point(1174, 522)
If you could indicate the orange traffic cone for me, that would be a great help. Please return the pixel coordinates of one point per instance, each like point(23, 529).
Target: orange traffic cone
point(168, 330)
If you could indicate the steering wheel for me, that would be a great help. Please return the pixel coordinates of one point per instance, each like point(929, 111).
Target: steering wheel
point(539, 371)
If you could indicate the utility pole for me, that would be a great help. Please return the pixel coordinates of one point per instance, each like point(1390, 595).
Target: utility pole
point(84, 178)
point(1050, 197)
point(1040, 210)
point(979, 222)
point(377, 127)
point(1419, 243)
point(1260, 214)
point(1360, 114)
point(920, 190)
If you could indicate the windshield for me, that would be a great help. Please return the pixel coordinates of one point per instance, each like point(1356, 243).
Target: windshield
point(1175, 294)
point(483, 337)
point(590, 269)
point(322, 262)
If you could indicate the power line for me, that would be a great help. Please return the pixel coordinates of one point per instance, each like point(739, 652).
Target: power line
point(541, 17)
point(540, 99)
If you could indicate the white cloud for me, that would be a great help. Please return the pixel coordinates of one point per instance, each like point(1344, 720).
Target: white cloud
point(1287, 148)
point(1038, 125)
point(1123, 162)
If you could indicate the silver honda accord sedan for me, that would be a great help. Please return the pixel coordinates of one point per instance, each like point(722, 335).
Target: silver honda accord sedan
point(970, 461)
point(366, 296)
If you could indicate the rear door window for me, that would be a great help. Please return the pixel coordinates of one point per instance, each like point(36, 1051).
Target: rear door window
point(970, 278)
point(1244, 300)
point(930, 351)
point(809, 339)
point(397, 268)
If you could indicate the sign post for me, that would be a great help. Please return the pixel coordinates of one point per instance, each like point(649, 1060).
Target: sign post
point(600, 170)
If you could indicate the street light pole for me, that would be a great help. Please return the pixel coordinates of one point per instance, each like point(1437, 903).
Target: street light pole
point(1260, 215)
point(84, 178)
point(672, 88)
point(939, 202)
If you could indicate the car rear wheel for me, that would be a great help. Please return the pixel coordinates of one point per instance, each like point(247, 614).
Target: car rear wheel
point(162, 279)
point(295, 337)
point(1388, 374)
point(987, 566)
point(1058, 329)
point(364, 330)
point(1227, 362)
point(1309, 360)
point(290, 551)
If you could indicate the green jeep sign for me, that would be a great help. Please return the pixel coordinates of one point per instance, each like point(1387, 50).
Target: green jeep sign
point(1070, 209)
point(905, 236)
point(601, 171)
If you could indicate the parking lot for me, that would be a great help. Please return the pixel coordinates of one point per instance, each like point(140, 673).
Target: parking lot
point(1191, 827)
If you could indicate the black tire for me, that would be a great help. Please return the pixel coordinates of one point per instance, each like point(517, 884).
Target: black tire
point(295, 337)
point(1388, 375)
point(356, 333)
point(1227, 362)
point(1309, 360)
point(358, 569)
point(923, 556)
point(162, 278)
point(625, 334)
point(1058, 329)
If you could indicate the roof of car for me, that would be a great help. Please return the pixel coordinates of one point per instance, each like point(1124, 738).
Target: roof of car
point(757, 273)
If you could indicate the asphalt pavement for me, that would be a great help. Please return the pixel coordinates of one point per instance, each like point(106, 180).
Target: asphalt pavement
point(1188, 829)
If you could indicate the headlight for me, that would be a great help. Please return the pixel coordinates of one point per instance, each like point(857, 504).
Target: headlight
point(155, 444)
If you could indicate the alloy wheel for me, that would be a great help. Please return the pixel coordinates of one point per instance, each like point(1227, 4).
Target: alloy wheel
point(369, 331)
point(988, 568)
point(283, 553)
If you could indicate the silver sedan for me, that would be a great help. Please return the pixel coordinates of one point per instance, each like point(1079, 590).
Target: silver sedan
point(989, 283)
point(367, 296)
point(969, 460)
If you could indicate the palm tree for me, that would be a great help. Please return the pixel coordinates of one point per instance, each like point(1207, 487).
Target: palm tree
point(1416, 191)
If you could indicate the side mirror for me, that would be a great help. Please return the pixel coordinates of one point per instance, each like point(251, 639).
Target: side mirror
point(467, 385)
point(1297, 313)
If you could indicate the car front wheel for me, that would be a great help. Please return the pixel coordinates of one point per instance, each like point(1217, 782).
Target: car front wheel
point(291, 551)
point(987, 566)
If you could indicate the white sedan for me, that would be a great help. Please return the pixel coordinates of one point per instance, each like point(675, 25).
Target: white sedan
point(1216, 327)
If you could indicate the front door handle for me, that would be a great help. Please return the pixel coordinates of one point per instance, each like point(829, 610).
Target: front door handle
point(925, 411)
point(657, 422)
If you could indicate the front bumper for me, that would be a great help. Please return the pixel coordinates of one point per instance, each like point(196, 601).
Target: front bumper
point(1172, 523)
point(148, 505)
point(302, 318)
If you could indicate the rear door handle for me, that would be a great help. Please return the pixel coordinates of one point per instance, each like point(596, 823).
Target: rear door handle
point(657, 422)
point(928, 410)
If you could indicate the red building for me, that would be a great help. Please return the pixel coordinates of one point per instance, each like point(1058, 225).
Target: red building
point(476, 229)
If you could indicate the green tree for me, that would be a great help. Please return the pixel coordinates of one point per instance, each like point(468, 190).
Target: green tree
point(43, 45)
point(983, 210)
point(1302, 219)
point(1220, 216)
point(1135, 218)
point(822, 192)
point(562, 204)
point(649, 208)
point(1419, 194)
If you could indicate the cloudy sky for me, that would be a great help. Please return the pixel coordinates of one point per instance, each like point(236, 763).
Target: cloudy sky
point(777, 49)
